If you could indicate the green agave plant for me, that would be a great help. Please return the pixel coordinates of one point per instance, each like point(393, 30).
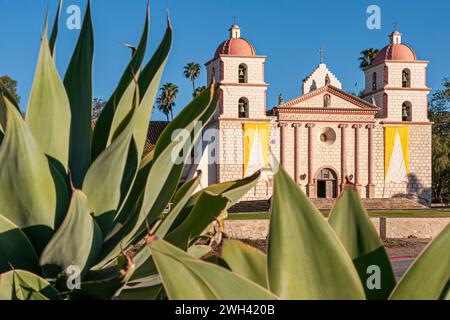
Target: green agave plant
point(308, 258)
point(73, 199)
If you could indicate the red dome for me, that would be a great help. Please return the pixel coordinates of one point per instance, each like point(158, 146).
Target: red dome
point(396, 51)
point(235, 46)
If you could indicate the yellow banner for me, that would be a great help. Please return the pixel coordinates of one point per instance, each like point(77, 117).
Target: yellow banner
point(396, 152)
point(256, 147)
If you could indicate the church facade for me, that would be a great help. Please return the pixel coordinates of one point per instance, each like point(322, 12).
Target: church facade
point(326, 136)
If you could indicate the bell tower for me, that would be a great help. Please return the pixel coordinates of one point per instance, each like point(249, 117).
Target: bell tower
point(239, 71)
point(396, 81)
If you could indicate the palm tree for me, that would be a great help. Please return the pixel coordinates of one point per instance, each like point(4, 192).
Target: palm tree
point(166, 99)
point(366, 57)
point(447, 87)
point(192, 72)
point(199, 90)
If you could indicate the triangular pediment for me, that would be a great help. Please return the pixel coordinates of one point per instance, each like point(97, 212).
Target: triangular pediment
point(329, 97)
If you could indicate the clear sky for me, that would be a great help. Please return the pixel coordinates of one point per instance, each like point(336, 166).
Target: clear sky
point(289, 32)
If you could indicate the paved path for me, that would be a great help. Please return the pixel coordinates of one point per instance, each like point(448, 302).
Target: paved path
point(400, 265)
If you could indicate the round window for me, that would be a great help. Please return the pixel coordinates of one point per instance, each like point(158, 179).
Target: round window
point(327, 136)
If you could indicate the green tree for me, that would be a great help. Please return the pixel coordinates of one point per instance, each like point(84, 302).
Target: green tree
point(199, 90)
point(97, 107)
point(11, 86)
point(439, 113)
point(447, 87)
point(192, 72)
point(366, 57)
point(166, 100)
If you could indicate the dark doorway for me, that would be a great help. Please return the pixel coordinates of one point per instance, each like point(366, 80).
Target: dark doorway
point(326, 184)
point(321, 189)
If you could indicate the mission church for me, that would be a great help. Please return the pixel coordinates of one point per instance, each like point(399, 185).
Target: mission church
point(380, 142)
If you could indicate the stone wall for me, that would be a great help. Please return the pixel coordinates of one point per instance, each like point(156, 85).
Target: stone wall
point(422, 228)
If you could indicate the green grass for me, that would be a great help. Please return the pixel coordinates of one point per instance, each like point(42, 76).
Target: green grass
point(375, 214)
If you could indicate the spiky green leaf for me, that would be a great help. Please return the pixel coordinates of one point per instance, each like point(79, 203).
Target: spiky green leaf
point(28, 195)
point(352, 224)
point(103, 126)
point(24, 285)
point(77, 241)
point(104, 177)
point(16, 250)
point(54, 34)
point(246, 261)
point(149, 81)
point(186, 278)
point(305, 257)
point(48, 112)
point(164, 172)
point(78, 84)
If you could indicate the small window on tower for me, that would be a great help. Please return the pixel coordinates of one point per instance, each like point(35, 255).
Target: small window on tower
point(243, 108)
point(406, 111)
point(326, 101)
point(374, 81)
point(242, 73)
point(406, 78)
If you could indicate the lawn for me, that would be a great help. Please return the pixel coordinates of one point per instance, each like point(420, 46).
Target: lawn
point(375, 214)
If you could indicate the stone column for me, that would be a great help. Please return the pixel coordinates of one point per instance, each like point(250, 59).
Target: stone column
point(343, 128)
point(370, 188)
point(357, 157)
point(310, 188)
point(297, 152)
point(282, 143)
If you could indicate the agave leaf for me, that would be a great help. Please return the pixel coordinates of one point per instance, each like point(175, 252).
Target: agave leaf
point(142, 291)
point(164, 174)
point(352, 224)
point(124, 107)
point(77, 241)
point(106, 283)
point(149, 81)
point(208, 207)
point(142, 258)
point(206, 210)
point(186, 278)
point(28, 195)
point(54, 33)
point(305, 257)
point(24, 285)
point(78, 84)
point(48, 113)
point(233, 190)
point(180, 134)
point(428, 278)
point(103, 126)
point(246, 261)
point(16, 250)
point(134, 194)
point(104, 177)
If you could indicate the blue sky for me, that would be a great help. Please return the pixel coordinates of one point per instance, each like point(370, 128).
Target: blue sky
point(289, 32)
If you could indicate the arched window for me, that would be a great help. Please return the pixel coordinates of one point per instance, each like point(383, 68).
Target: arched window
point(406, 78)
point(406, 111)
point(327, 80)
point(243, 108)
point(242, 73)
point(326, 100)
point(374, 81)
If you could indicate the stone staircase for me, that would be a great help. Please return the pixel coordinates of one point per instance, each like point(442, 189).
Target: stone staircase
point(327, 204)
